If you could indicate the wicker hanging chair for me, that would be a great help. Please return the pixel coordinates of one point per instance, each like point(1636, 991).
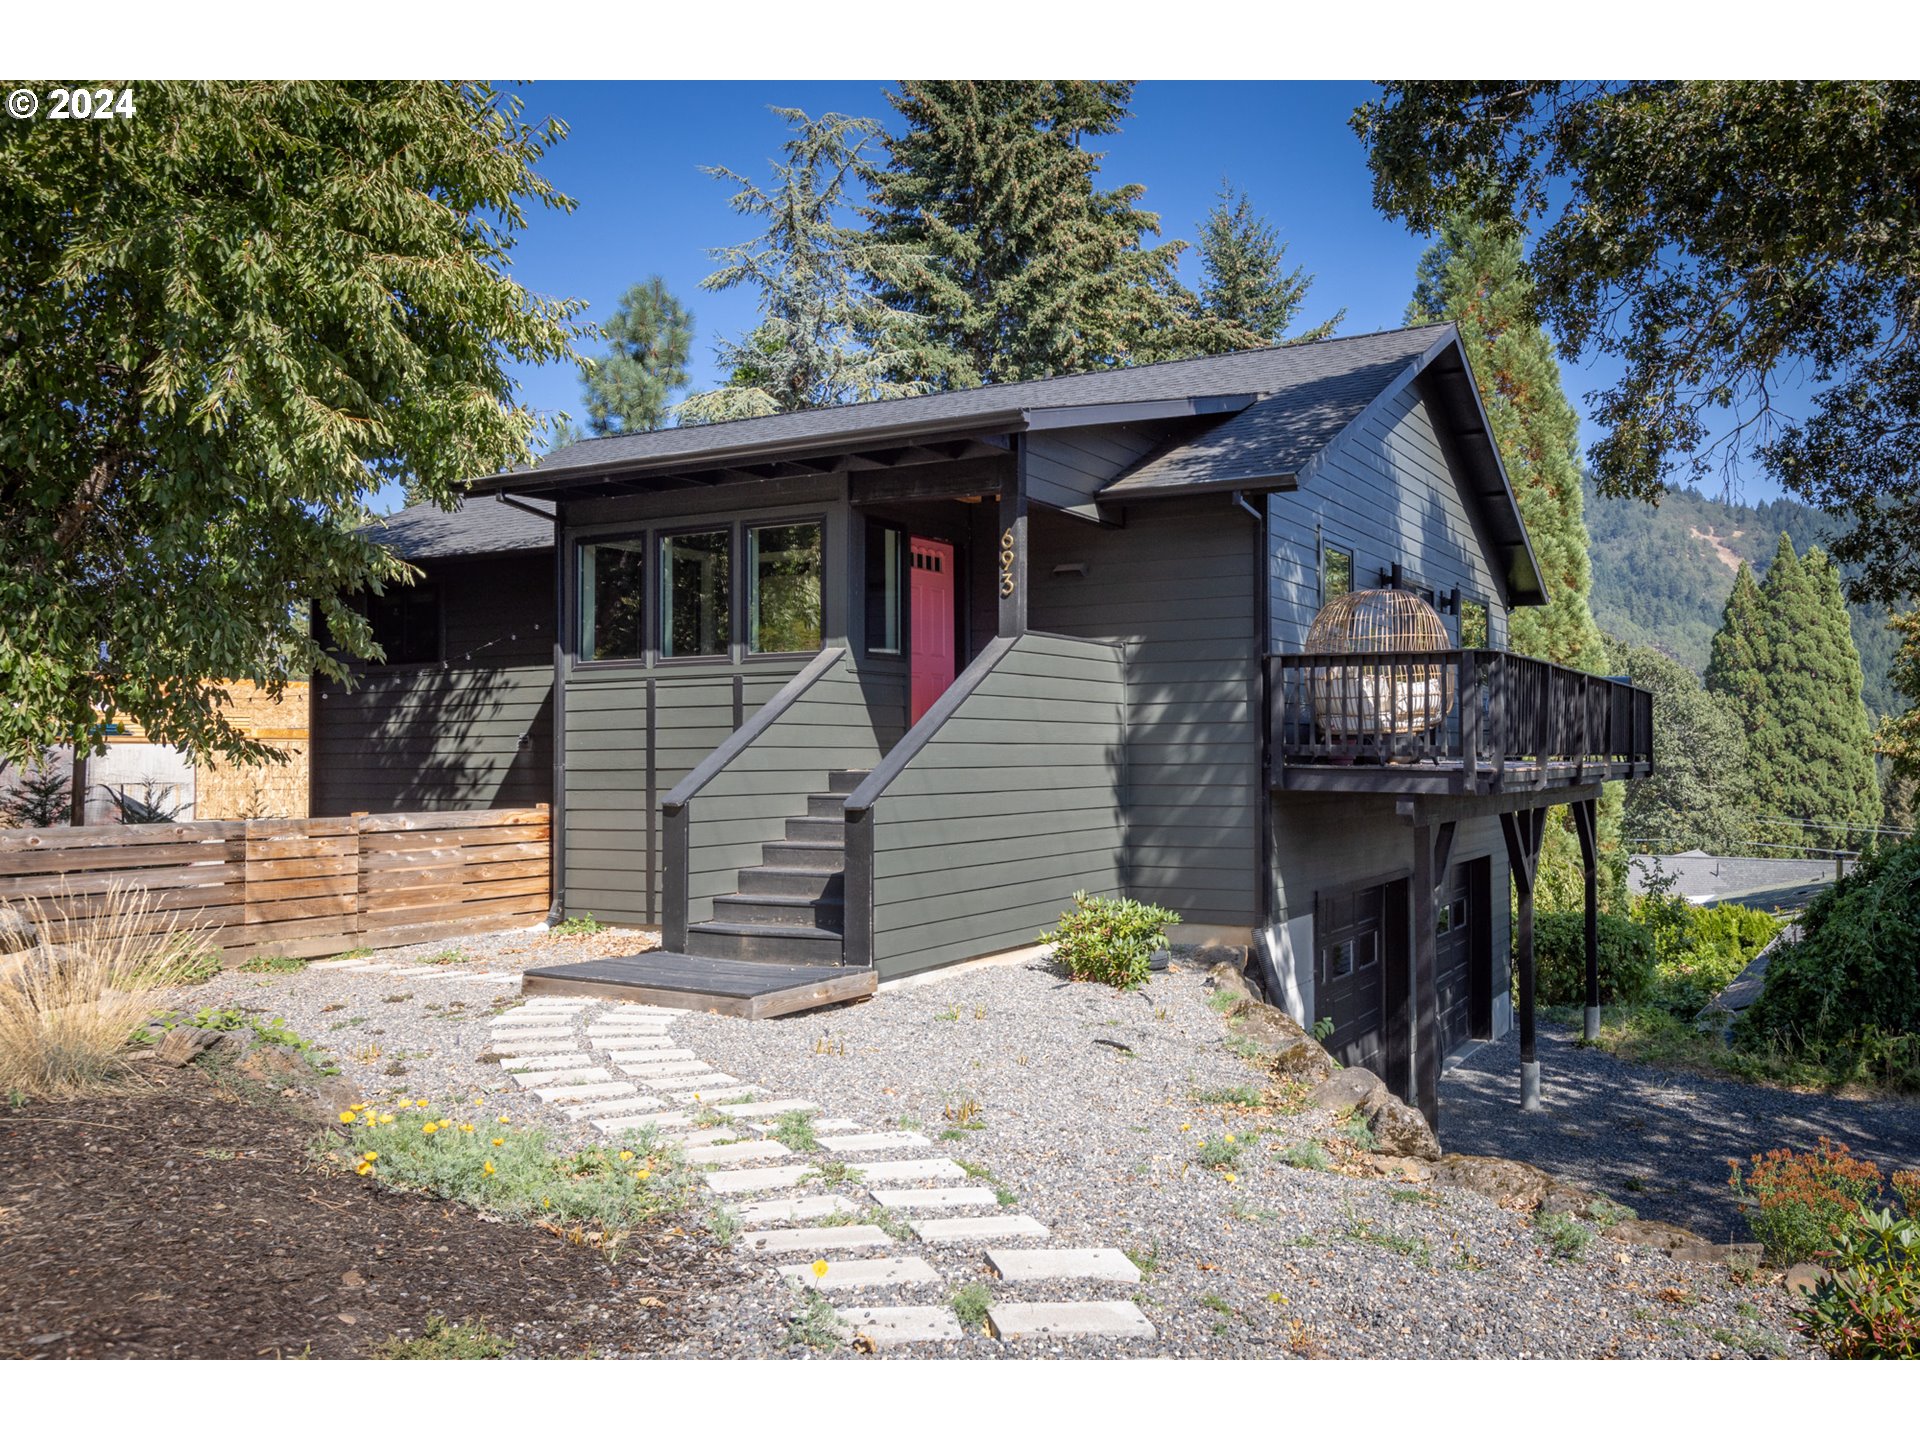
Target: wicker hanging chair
point(1370, 702)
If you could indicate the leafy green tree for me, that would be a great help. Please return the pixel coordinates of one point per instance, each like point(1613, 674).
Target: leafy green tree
point(1713, 236)
point(1700, 795)
point(228, 323)
point(631, 388)
point(1473, 277)
point(1898, 738)
point(993, 230)
point(1246, 289)
point(823, 337)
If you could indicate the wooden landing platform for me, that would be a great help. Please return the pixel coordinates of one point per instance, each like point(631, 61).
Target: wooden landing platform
point(751, 989)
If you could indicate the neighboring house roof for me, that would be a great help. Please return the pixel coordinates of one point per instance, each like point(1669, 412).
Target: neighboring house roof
point(1763, 884)
point(477, 527)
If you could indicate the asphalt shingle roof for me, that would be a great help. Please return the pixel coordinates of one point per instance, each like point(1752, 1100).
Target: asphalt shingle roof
point(1312, 387)
point(477, 527)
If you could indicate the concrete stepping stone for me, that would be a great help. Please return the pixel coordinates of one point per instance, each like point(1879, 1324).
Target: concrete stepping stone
point(631, 1105)
point(509, 1023)
point(823, 1237)
point(530, 1079)
point(957, 1229)
point(858, 1274)
point(771, 1177)
point(680, 1080)
point(1116, 1319)
point(638, 1047)
point(651, 1066)
point(335, 964)
point(658, 1120)
point(820, 1127)
point(533, 1043)
point(757, 1108)
point(894, 1170)
point(875, 1140)
point(952, 1198)
point(1099, 1264)
point(887, 1325)
point(631, 1010)
point(437, 971)
point(559, 1002)
point(710, 1093)
point(735, 1154)
point(362, 967)
point(558, 1060)
point(560, 1094)
point(807, 1207)
point(681, 1120)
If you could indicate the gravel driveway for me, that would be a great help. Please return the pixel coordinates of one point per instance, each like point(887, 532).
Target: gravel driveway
point(1657, 1140)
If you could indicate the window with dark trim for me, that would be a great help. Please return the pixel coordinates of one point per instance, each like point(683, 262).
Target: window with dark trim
point(405, 623)
point(613, 598)
point(886, 588)
point(785, 590)
point(1336, 572)
point(696, 594)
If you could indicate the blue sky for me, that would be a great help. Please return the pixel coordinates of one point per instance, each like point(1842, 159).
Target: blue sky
point(634, 155)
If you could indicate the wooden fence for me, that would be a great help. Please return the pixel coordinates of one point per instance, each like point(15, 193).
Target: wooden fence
point(299, 887)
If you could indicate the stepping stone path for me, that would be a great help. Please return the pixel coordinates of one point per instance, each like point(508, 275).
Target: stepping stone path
point(565, 1050)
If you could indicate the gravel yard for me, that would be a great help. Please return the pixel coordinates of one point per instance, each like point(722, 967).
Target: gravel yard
point(1089, 1108)
point(1658, 1140)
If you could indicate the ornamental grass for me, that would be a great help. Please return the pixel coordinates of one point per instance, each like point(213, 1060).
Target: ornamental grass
point(70, 1006)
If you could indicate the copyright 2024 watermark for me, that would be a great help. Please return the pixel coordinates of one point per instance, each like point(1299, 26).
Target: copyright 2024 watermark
point(71, 102)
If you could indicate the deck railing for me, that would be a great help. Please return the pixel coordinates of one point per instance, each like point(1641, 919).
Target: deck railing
point(1461, 721)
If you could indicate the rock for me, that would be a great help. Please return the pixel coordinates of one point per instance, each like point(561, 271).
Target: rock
point(1564, 1199)
point(1234, 957)
point(184, 1044)
point(1397, 1167)
point(1351, 1089)
point(332, 1097)
point(16, 932)
point(277, 1065)
point(1508, 1183)
point(1223, 976)
point(1398, 1128)
point(1680, 1244)
point(1804, 1279)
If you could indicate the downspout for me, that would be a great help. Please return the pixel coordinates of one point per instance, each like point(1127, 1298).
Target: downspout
point(1262, 949)
point(557, 808)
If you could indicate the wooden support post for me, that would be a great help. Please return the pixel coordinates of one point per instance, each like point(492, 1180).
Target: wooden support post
point(1432, 855)
point(1010, 558)
point(1586, 821)
point(1524, 830)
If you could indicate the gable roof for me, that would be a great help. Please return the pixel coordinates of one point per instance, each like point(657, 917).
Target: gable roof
point(474, 527)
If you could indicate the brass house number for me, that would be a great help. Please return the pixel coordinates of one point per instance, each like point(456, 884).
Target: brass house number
point(1007, 581)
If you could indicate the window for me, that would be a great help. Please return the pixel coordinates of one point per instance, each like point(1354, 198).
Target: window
point(1473, 625)
point(886, 587)
point(783, 609)
point(612, 599)
point(1336, 572)
point(406, 625)
point(696, 594)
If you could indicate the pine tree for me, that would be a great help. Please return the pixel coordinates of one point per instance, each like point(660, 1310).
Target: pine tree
point(40, 796)
point(823, 338)
point(1741, 651)
point(1246, 292)
point(991, 227)
point(631, 388)
point(1474, 278)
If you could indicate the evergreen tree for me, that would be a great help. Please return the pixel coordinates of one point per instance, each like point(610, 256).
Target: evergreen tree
point(39, 797)
point(1699, 796)
point(1473, 276)
point(991, 227)
point(1740, 652)
point(824, 338)
point(631, 388)
point(1246, 292)
point(1898, 738)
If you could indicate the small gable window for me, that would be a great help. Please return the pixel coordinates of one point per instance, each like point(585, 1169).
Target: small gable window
point(1336, 572)
point(406, 625)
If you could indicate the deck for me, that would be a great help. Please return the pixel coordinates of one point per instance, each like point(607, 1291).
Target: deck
point(750, 989)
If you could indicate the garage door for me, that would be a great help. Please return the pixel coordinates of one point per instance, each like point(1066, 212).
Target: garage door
point(1348, 935)
point(1452, 960)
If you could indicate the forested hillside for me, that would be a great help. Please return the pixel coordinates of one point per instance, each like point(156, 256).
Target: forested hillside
point(1661, 575)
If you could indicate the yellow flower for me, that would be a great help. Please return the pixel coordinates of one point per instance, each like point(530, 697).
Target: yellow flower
point(346, 1117)
point(428, 1128)
point(362, 1168)
point(371, 1156)
point(1232, 1179)
point(386, 1119)
point(466, 1129)
point(641, 1174)
point(819, 1269)
point(498, 1141)
point(479, 1099)
point(505, 1119)
point(1229, 1139)
point(1186, 1127)
point(626, 1154)
point(489, 1168)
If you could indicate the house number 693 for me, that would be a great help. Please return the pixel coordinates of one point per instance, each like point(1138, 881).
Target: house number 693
point(1007, 582)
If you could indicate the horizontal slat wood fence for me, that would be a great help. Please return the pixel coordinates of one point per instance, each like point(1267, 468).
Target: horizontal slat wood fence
point(299, 887)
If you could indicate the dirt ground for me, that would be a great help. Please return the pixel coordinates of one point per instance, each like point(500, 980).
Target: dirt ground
point(184, 1222)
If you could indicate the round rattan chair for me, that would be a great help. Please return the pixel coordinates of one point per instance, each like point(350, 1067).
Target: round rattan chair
point(1368, 703)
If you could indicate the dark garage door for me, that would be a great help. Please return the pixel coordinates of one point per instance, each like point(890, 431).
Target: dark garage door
point(1348, 936)
point(1452, 961)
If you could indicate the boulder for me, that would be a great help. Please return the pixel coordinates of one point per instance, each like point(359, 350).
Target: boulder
point(1508, 1183)
point(1564, 1199)
point(1225, 977)
point(1351, 1089)
point(16, 931)
point(183, 1044)
point(1804, 1279)
point(1293, 1054)
point(1398, 1128)
point(1678, 1243)
point(1397, 1167)
point(281, 1066)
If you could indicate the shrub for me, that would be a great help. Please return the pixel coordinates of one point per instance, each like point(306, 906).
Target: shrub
point(1855, 971)
point(1868, 1305)
point(444, 1340)
point(69, 1010)
point(579, 925)
point(1798, 1201)
point(1109, 940)
point(1698, 952)
point(273, 965)
point(1560, 959)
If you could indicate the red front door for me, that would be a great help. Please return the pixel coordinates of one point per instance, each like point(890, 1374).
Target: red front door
point(930, 596)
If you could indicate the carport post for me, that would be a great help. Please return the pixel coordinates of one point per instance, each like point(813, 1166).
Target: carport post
point(1586, 821)
point(1523, 830)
